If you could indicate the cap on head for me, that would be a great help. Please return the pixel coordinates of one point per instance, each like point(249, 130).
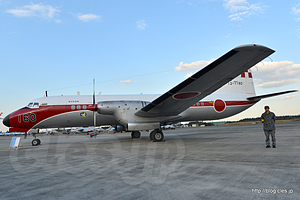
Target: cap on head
point(267, 107)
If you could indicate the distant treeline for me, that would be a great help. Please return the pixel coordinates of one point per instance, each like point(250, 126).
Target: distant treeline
point(287, 117)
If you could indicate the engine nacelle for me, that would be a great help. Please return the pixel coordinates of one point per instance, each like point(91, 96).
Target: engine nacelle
point(124, 113)
point(113, 107)
point(108, 107)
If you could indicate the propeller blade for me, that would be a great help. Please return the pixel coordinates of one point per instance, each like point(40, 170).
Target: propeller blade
point(94, 92)
point(94, 106)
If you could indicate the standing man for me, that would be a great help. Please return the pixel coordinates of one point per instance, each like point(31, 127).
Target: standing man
point(268, 119)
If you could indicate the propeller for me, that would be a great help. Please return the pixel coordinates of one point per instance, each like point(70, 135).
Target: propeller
point(94, 107)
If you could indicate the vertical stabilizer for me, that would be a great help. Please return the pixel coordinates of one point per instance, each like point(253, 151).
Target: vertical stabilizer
point(241, 86)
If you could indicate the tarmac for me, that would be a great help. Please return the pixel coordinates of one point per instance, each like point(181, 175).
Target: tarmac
point(223, 162)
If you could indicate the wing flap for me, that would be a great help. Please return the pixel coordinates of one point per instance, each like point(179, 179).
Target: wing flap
point(206, 81)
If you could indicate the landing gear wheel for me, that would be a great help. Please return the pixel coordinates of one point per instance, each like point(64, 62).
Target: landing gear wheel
point(157, 136)
point(152, 135)
point(35, 142)
point(135, 134)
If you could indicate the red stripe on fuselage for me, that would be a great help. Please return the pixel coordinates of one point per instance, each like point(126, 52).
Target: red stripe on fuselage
point(228, 103)
point(29, 117)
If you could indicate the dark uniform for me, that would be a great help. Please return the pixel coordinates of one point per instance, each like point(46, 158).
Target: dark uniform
point(268, 120)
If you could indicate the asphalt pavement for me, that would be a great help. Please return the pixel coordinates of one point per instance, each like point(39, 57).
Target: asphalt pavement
point(223, 162)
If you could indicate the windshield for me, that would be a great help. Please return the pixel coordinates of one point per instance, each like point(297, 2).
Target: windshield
point(30, 105)
point(33, 105)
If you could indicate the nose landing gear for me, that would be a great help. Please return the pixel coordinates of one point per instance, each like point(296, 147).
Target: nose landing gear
point(36, 142)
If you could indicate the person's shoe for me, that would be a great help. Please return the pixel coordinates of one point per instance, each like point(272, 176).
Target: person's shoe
point(274, 146)
point(268, 146)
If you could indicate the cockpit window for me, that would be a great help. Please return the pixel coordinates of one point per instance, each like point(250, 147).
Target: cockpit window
point(33, 105)
point(30, 105)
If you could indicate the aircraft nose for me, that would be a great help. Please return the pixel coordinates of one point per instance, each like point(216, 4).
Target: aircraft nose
point(6, 121)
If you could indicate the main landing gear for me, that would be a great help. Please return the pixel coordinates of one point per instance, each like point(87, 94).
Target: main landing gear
point(135, 134)
point(157, 135)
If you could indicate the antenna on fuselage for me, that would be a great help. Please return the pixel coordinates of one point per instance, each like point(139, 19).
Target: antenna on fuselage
point(46, 93)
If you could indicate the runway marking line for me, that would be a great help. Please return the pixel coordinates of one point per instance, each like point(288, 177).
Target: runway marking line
point(297, 147)
point(147, 149)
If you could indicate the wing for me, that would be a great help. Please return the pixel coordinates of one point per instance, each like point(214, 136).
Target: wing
point(206, 81)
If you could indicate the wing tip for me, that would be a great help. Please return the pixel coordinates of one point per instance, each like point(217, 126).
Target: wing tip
point(253, 46)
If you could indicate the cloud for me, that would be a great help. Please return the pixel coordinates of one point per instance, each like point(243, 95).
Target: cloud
point(35, 10)
point(278, 83)
point(192, 66)
point(228, 35)
point(88, 17)
point(126, 81)
point(141, 24)
point(290, 96)
point(189, 75)
point(241, 9)
point(275, 74)
point(296, 11)
point(278, 69)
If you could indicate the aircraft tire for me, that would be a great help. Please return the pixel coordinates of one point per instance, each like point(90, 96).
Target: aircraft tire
point(35, 142)
point(39, 141)
point(158, 136)
point(151, 135)
point(135, 134)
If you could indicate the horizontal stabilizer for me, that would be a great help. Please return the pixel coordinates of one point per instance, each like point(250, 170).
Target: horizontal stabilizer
point(256, 98)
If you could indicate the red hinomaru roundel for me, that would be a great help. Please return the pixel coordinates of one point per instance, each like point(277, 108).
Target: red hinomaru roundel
point(185, 95)
point(219, 105)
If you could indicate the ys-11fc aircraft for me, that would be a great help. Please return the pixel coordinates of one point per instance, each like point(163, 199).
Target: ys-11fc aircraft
point(221, 89)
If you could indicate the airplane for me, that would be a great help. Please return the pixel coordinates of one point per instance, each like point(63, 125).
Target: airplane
point(168, 127)
point(82, 130)
point(8, 133)
point(222, 89)
point(50, 132)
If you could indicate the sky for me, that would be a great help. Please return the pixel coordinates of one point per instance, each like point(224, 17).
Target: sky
point(133, 47)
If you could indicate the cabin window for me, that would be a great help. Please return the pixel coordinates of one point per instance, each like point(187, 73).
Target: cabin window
point(73, 107)
point(84, 107)
point(78, 107)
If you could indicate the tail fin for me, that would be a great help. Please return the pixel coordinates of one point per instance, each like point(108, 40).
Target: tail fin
point(242, 85)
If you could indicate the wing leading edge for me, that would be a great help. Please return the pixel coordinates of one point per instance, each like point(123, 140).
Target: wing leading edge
point(206, 81)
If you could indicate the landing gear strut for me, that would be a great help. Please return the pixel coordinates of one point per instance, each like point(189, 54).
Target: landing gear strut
point(135, 134)
point(156, 135)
